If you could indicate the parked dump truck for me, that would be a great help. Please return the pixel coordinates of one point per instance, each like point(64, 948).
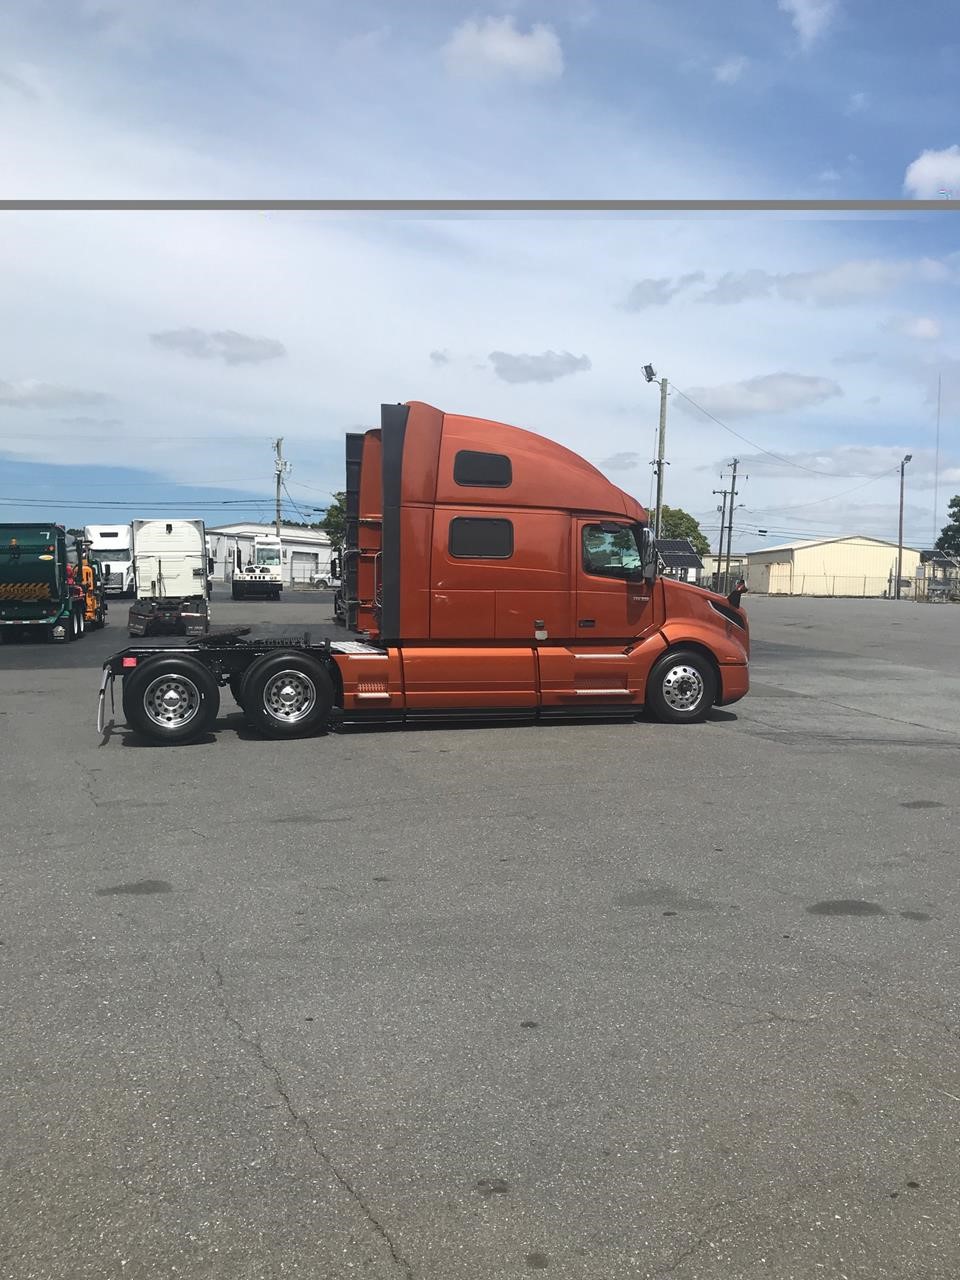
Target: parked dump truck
point(89, 572)
point(171, 569)
point(489, 573)
point(262, 575)
point(41, 589)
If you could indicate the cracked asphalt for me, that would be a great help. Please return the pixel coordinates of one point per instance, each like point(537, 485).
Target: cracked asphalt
point(597, 1001)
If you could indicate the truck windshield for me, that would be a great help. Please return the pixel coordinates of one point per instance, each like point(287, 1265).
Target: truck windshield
point(268, 555)
point(111, 555)
point(611, 551)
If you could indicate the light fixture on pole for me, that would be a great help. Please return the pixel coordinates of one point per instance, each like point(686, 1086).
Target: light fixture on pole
point(903, 467)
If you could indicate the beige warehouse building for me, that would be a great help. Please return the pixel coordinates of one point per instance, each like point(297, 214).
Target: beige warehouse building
point(854, 566)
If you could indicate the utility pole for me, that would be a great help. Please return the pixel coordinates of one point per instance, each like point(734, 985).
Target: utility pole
point(733, 498)
point(723, 521)
point(650, 374)
point(281, 469)
point(936, 469)
point(661, 442)
point(903, 467)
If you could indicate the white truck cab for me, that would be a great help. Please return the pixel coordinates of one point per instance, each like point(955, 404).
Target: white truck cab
point(262, 575)
point(172, 570)
point(112, 545)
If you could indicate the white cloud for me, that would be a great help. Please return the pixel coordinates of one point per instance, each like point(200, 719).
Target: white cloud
point(924, 328)
point(626, 461)
point(934, 174)
point(225, 344)
point(810, 18)
point(440, 357)
point(44, 395)
point(769, 393)
point(543, 368)
point(494, 47)
point(658, 292)
point(729, 72)
point(856, 103)
point(847, 282)
point(851, 462)
point(828, 175)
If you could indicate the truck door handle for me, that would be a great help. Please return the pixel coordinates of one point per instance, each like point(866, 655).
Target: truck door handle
point(587, 622)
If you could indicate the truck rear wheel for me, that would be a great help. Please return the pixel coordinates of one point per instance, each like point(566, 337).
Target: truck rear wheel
point(287, 695)
point(171, 699)
point(681, 687)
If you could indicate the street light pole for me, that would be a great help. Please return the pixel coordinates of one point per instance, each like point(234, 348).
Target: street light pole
point(903, 467)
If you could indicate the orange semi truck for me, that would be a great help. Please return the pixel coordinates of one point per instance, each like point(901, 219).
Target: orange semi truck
point(489, 573)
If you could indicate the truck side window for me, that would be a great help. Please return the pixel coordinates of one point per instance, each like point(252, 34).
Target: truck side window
point(476, 538)
point(483, 470)
point(611, 551)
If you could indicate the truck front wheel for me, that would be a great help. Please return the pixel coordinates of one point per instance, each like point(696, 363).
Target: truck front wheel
point(681, 687)
point(287, 695)
point(171, 700)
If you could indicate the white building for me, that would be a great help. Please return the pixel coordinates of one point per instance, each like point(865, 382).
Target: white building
point(853, 566)
point(306, 552)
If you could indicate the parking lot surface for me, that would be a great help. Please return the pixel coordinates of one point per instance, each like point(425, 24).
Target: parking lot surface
point(625, 1000)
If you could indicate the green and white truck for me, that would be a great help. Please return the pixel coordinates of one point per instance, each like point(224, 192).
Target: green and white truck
point(41, 592)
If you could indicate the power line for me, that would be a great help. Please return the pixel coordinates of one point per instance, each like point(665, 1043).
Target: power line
point(795, 506)
point(293, 503)
point(829, 475)
point(126, 505)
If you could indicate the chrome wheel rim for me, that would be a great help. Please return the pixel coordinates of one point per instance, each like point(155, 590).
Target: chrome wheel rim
point(171, 701)
point(289, 696)
point(683, 688)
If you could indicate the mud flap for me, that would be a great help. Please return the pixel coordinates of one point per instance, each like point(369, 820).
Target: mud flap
point(108, 678)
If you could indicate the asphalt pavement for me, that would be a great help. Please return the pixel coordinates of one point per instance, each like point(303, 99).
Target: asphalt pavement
point(599, 1001)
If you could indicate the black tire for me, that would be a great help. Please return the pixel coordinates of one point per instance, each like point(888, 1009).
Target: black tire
point(307, 693)
point(81, 623)
point(681, 687)
point(171, 699)
point(234, 593)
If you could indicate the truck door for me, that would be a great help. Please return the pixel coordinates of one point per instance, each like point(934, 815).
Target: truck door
point(613, 599)
point(613, 605)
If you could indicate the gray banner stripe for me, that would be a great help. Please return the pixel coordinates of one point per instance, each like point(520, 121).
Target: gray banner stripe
point(489, 206)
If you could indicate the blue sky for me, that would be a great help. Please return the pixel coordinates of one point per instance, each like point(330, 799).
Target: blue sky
point(167, 351)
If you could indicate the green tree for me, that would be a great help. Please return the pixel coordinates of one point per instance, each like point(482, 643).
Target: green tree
point(334, 523)
point(677, 523)
point(75, 533)
point(949, 540)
